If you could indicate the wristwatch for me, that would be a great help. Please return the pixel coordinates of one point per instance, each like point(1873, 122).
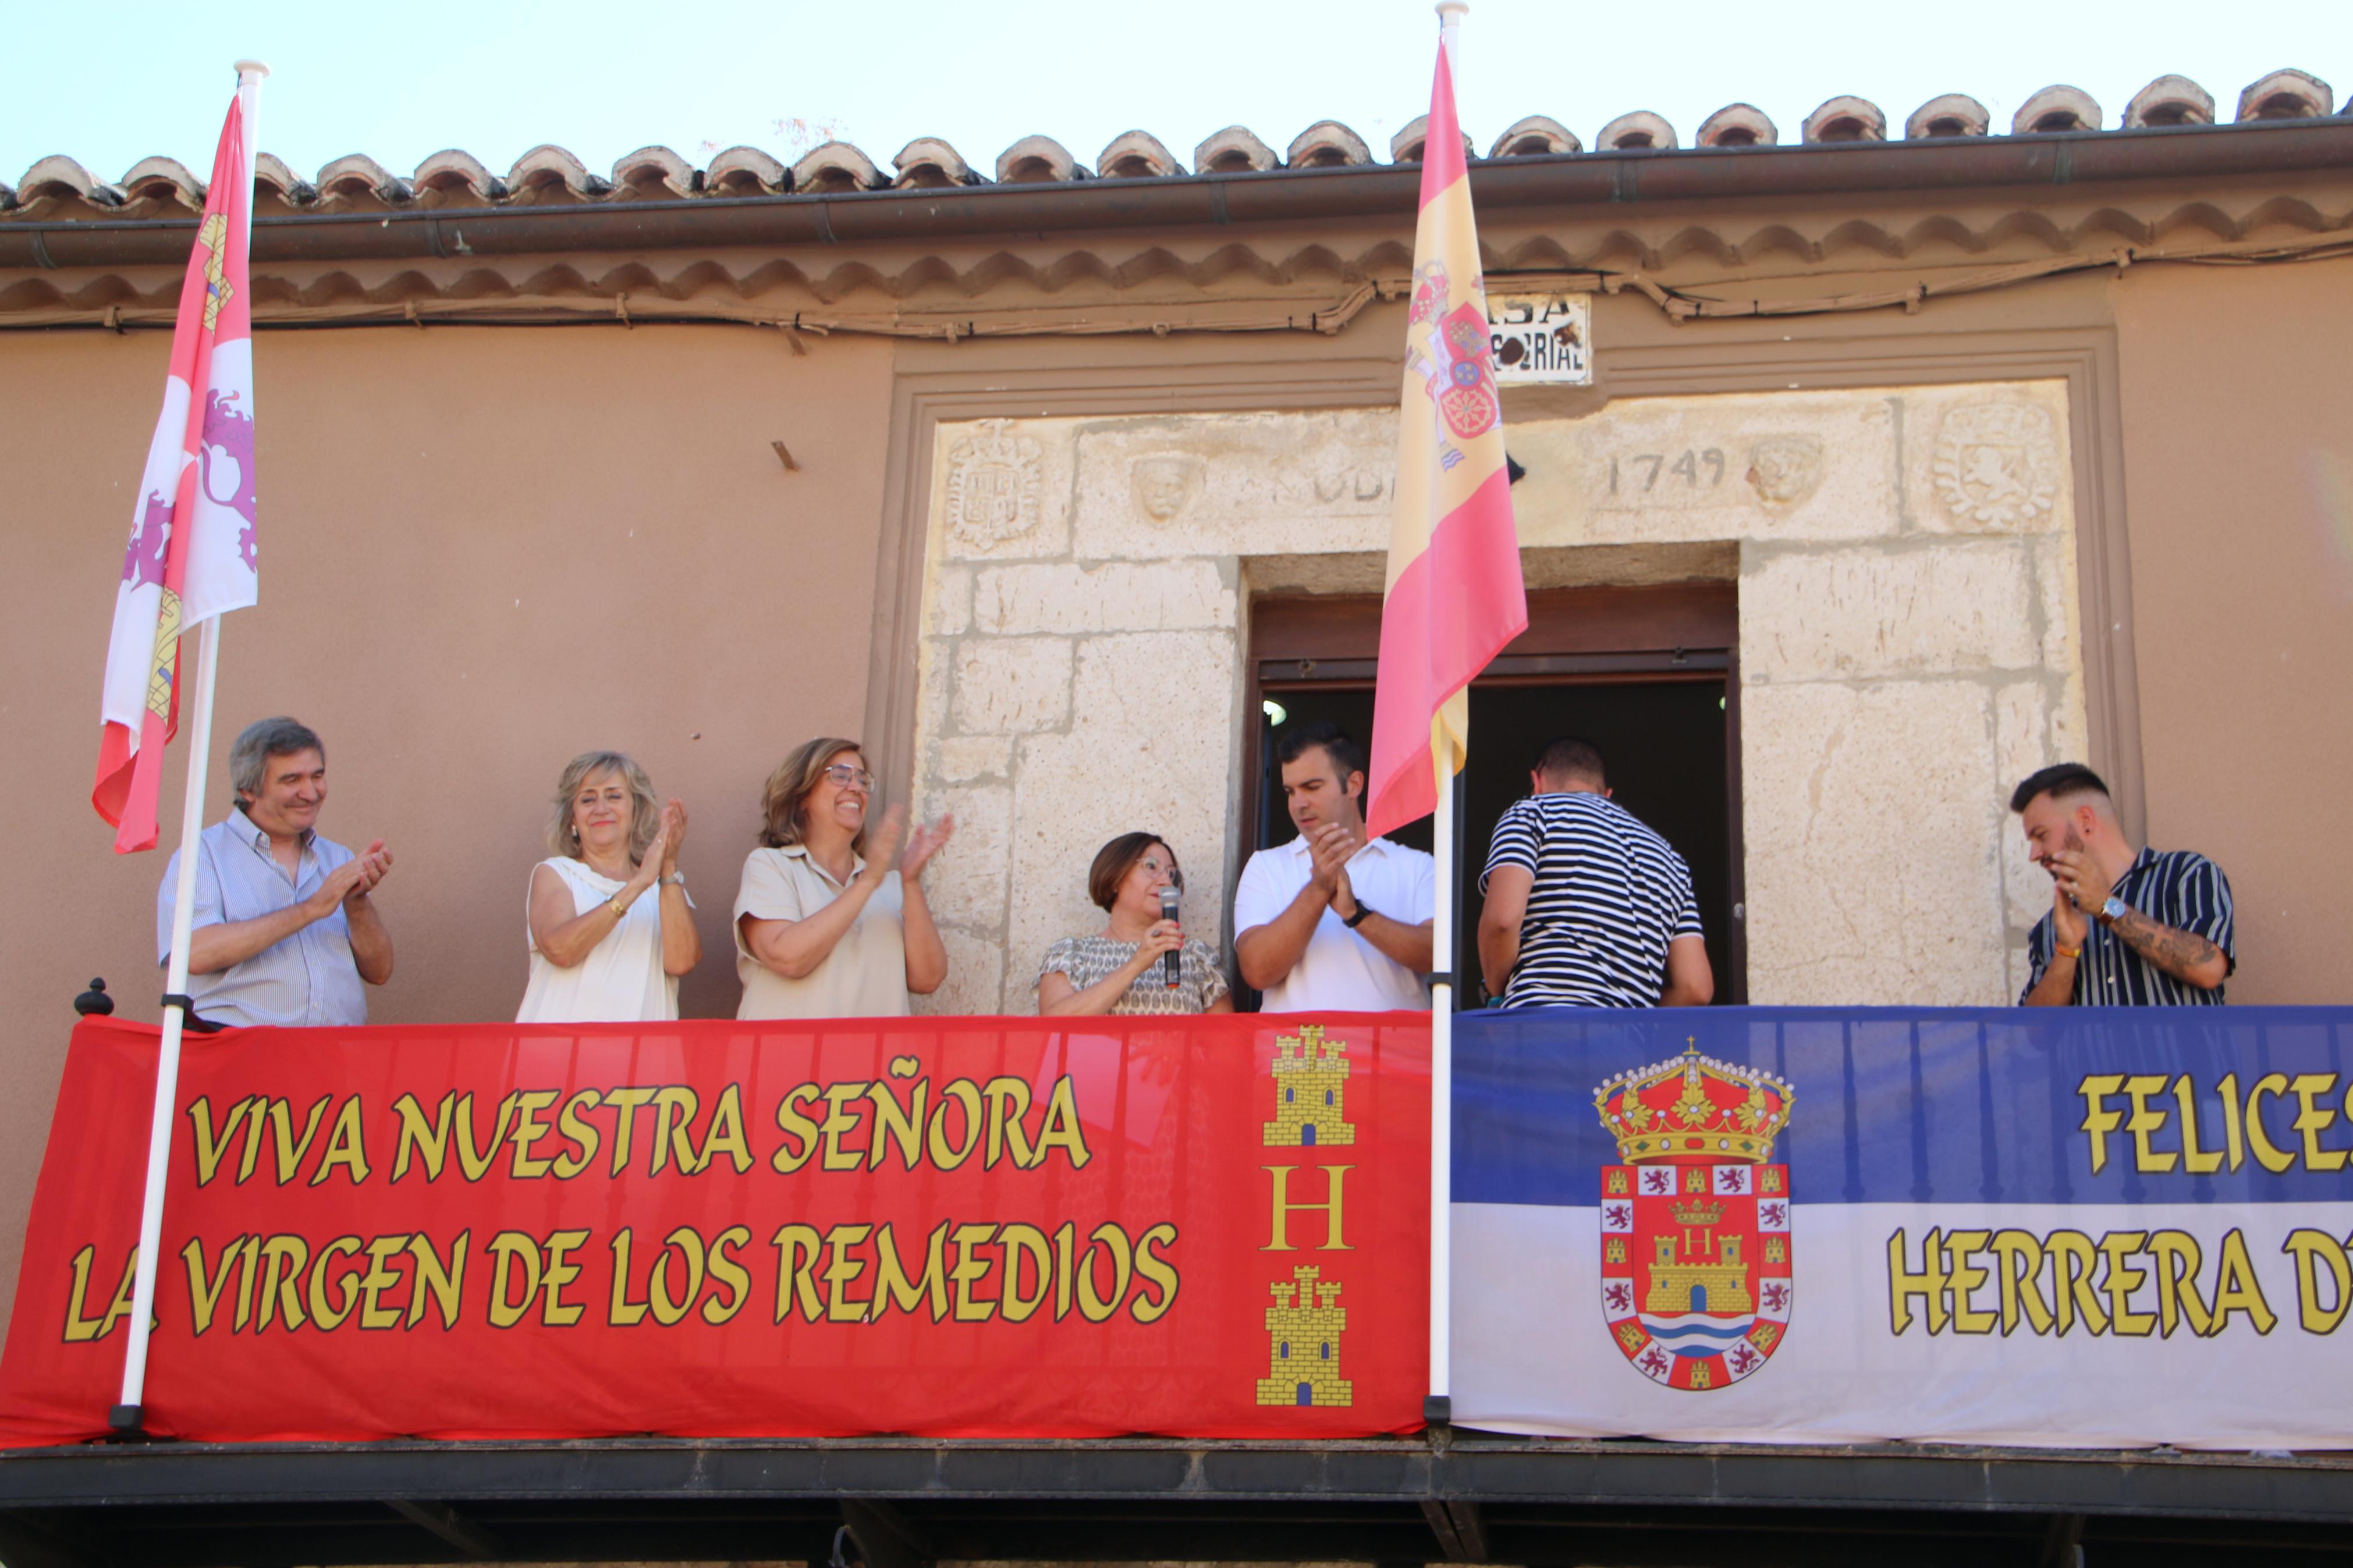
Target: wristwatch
point(2113, 910)
point(675, 880)
point(1353, 921)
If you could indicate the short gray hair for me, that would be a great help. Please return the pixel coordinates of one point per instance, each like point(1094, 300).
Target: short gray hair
point(262, 740)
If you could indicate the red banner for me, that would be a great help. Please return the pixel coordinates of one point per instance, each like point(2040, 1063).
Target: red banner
point(954, 1228)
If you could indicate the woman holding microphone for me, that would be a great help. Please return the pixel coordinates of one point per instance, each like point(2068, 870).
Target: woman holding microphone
point(1134, 881)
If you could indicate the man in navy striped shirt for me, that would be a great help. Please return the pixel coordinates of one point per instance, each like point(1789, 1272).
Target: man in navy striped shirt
point(1585, 906)
point(2128, 927)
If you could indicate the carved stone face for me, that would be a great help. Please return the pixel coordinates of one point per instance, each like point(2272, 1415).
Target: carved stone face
point(1785, 468)
point(1162, 485)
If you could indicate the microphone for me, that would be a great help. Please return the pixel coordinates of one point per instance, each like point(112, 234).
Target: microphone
point(1169, 959)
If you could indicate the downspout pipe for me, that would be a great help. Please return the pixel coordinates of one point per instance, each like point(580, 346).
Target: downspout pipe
point(1558, 181)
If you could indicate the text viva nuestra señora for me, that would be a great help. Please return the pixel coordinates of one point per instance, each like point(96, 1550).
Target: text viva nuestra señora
point(857, 1272)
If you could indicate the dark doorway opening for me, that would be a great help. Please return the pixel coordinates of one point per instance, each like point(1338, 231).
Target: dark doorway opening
point(1646, 674)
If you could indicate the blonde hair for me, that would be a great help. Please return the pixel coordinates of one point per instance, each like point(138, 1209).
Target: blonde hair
point(645, 811)
point(789, 787)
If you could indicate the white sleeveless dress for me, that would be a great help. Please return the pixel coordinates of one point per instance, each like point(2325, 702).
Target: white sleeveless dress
point(621, 980)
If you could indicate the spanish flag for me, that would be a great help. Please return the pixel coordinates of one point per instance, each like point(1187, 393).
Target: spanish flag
point(1455, 595)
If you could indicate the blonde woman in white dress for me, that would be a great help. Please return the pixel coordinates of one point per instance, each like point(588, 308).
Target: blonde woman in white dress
point(611, 929)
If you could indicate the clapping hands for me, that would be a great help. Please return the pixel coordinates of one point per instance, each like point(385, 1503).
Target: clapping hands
point(661, 858)
point(922, 844)
point(350, 881)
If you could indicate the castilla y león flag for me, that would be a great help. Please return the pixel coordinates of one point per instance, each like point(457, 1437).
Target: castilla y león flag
point(1455, 594)
point(192, 526)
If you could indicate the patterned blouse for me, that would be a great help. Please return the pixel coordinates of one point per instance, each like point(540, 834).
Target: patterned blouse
point(1086, 960)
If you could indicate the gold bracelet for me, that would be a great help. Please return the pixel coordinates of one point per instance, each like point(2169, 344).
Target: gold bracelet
point(620, 910)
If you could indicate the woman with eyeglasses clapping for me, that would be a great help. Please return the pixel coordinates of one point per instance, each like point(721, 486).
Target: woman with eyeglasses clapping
point(831, 922)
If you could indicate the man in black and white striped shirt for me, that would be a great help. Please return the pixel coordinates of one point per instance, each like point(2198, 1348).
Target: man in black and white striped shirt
point(2128, 927)
point(1586, 907)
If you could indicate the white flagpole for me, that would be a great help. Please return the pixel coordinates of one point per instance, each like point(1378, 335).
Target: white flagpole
point(1439, 1407)
point(126, 1416)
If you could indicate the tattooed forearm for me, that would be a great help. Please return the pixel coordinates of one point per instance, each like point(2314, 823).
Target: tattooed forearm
point(2178, 952)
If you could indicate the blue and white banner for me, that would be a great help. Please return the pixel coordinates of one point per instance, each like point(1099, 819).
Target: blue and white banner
point(2078, 1228)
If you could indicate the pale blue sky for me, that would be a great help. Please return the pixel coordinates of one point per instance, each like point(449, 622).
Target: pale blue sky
point(112, 84)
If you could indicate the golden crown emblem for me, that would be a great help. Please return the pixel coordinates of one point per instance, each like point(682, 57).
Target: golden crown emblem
point(1694, 1108)
point(1697, 1214)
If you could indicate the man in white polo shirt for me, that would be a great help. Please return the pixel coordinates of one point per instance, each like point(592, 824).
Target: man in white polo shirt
point(1332, 922)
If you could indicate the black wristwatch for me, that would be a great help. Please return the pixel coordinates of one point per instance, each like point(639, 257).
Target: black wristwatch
point(1353, 921)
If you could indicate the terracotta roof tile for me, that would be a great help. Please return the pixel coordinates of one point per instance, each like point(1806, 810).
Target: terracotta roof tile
point(1535, 135)
point(270, 170)
point(1738, 125)
point(1640, 129)
point(1233, 151)
point(1845, 119)
point(1326, 144)
point(2056, 108)
point(453, 171)
point(1036, 160)
point(748, 172)
point(837, 166)
point(57, 175)
point(2286, 95)
point(655, 174)
point(1951, 114)
point(2170, 100)
point(548, 173)
point(1136, 155)
point(357, 176)
point(165, 177)
point(927, 163)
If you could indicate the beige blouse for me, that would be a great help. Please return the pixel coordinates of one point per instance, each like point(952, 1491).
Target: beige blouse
point(865, 975)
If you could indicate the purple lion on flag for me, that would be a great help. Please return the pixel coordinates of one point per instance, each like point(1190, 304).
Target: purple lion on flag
point(144, 561)
point(228, 442)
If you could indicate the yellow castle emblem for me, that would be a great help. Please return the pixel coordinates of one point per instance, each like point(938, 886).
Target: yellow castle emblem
point(1722, 1283)
point(1302, 1330)
point(1310, 1092)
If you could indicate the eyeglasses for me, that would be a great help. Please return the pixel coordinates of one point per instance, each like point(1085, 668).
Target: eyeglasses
point(849, 777)
point(1153, 866)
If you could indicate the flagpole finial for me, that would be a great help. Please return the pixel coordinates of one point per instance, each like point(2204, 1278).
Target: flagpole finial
point(251, 68)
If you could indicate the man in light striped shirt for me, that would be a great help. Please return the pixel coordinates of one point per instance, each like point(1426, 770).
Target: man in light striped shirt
point(2128, 927)
point(1585, 906)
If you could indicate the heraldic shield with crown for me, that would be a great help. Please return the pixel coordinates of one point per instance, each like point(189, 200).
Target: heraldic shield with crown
point(1695, 1281)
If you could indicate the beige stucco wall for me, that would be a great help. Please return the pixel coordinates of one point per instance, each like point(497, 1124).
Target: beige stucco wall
point(2239, 468)
point(482, 551)
point(1906, 568)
